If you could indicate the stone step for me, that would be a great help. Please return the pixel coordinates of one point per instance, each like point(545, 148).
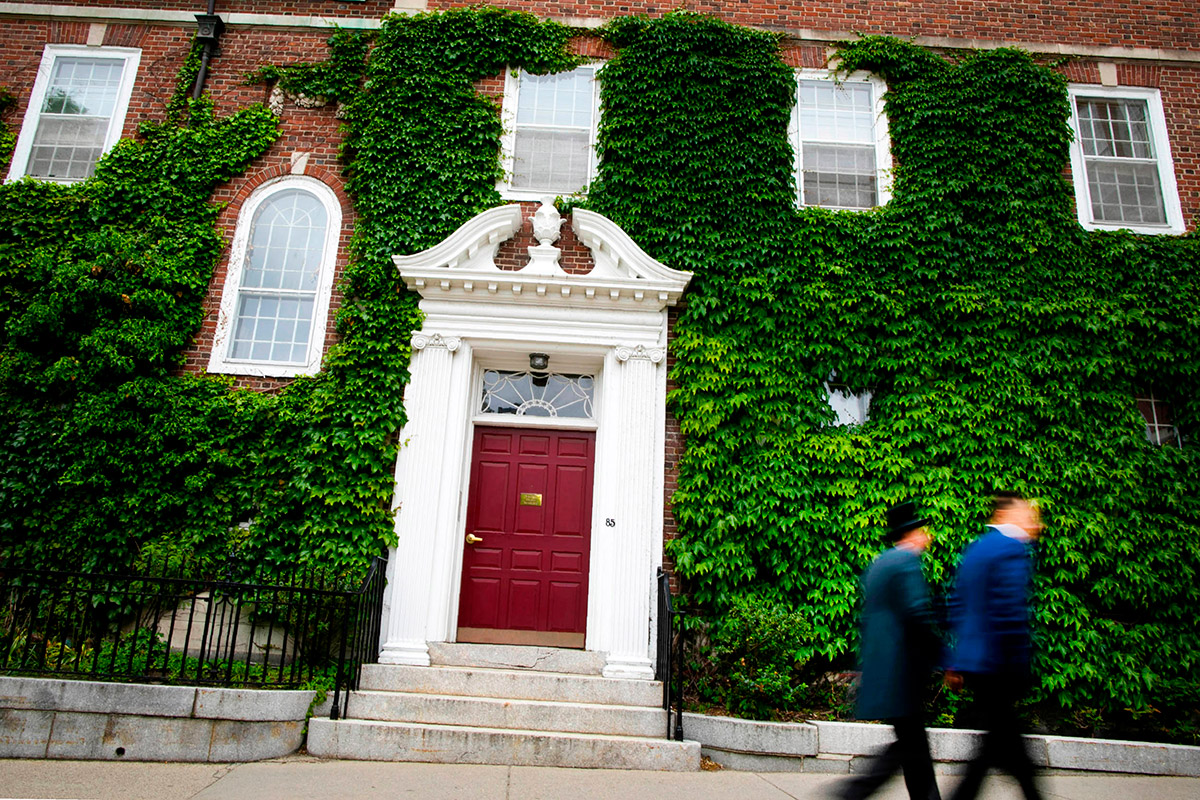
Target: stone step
point(510, 684)
point(448, 744)
point(502, 656)
point(489, 712)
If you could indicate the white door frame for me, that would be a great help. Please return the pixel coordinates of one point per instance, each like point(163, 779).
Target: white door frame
point(611, 323)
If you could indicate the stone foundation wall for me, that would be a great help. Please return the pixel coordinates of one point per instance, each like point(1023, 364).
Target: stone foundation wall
point(47, 718)
point(844, 747)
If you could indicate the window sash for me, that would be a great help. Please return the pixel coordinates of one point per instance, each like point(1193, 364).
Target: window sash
point(273, 327)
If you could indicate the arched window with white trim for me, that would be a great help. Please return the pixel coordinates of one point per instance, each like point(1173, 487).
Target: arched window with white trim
point(276, 299)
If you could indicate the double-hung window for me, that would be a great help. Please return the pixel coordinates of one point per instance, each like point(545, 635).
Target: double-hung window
point(1121, 161)
point(549, 145)
point(76, 111)
point(839, 134)
point(276, 299)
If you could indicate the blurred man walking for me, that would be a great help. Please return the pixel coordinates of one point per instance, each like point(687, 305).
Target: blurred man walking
point(989, 615)
point(898, 647)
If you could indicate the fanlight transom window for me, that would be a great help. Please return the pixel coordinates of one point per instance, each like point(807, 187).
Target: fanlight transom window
point(537, 394)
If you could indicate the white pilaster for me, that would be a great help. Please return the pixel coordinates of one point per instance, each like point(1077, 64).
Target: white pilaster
point(630, 544)
point(419, 484)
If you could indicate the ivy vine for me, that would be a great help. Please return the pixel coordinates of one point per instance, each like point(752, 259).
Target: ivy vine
point(1002, 343)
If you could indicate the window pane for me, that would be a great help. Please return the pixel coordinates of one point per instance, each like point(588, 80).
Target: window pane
point(837, 144)
point(272, 328)
point(287, 242)
point(563, 99)
point(86, 86)
point(66, 147)
point(1125, 191)
point(76, 113)
point(829, 112)
point(558, 161)
point(1114, 128)
point(838, 176)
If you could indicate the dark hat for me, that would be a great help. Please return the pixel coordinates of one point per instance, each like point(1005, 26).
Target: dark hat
point(902, 518)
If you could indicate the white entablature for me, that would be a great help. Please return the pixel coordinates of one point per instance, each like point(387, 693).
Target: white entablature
point(463, 267)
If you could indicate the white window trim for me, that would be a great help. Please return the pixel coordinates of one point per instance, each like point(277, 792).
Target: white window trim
point(1162, 152)
point(508, 139)
point(219, 362)
point(883, 143)
point(132, 57)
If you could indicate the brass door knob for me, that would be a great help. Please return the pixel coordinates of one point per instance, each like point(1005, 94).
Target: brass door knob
point(473, 539)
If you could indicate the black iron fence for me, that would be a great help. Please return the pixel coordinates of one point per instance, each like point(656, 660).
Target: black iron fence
point(667, 668)
point(306, 629)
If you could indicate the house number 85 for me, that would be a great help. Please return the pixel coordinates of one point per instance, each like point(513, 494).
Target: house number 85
point(609, 522)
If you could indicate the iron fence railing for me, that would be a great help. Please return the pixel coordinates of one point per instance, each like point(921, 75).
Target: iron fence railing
point(669, 662)
point(303, 629)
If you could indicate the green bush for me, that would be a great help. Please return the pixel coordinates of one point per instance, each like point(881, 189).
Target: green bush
point(756, 657)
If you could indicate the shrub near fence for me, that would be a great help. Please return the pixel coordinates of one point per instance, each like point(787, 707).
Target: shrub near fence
point(309, 629)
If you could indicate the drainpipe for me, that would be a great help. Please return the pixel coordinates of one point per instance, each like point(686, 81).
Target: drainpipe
point(210, 28)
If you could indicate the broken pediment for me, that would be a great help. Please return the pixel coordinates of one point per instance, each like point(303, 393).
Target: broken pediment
point(463, 265)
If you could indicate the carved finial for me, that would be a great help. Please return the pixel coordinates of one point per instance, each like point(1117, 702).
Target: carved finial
point(543, 259)
point(547, 222)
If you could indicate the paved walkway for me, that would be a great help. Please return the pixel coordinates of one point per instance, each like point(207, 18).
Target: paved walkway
point(306, 778)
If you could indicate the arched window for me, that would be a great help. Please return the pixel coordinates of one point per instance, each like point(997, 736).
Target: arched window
point(276, 297)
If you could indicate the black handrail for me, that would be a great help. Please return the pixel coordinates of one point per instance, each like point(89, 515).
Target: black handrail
point(159, 625)
point(668, 664)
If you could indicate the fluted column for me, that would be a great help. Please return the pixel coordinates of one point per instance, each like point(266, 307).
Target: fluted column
point(635, 503)
point(420, 484)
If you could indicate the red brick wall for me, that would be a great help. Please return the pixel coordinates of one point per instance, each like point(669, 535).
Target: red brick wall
point(1154, 23)
point(1166, 23)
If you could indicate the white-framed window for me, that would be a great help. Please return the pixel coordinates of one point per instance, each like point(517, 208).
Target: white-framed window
point(1121, 160)
point(549, 142)
point(840, 138)
point(76, 111)
point(275, 302)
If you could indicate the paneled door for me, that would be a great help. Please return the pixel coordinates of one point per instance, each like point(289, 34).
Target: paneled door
point(528, 533)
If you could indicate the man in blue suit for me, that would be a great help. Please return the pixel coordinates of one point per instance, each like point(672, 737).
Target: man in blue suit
point(898, 648)
point(989, 615)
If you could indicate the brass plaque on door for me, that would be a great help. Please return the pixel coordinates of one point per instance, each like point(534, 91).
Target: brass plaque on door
point(530, 499)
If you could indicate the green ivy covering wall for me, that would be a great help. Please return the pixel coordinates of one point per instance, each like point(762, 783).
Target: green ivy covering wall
point(102, 450)
point(1002, 343)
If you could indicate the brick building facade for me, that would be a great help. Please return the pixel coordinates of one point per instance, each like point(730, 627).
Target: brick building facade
point(1144, 58)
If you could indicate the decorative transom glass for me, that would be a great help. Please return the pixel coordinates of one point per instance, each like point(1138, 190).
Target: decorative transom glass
point(555, 119)
point(837, 144)
point(279, 284)
point(1119, 159)
point(537, 394)
point(75, 117)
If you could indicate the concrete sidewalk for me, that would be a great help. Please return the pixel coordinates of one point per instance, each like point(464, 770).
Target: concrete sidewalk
point(301, 777)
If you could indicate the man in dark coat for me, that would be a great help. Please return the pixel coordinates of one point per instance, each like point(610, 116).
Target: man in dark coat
point(989, 614)
point(898, 647)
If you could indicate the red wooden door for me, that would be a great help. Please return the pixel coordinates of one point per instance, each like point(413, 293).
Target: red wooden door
point(525, 563)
